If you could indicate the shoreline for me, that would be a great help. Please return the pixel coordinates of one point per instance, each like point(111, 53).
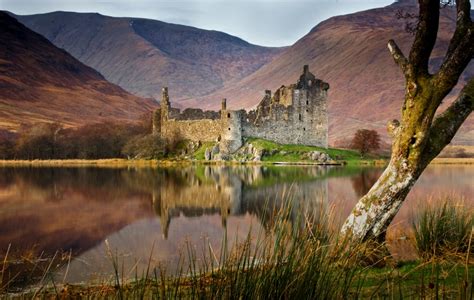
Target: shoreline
point(153, 163)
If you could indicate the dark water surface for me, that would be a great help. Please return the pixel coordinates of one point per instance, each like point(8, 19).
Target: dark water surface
point(86, 211)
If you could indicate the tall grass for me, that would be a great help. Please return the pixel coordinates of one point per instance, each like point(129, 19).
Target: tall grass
point(442, 229)
point(301, 256)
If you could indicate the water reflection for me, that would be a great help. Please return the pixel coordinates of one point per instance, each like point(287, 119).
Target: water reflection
point(43, 210)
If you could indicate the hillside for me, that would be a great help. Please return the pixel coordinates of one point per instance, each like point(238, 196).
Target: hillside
point(143, 55)
point(350, 53)
point(39, 82)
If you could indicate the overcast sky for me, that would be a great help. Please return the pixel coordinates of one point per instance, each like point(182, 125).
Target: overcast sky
point(262, 22)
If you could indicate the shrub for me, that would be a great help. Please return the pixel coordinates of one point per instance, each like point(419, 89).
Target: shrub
point(7, 144)
point(443, 229)
point(147, 146)
point(38, 141)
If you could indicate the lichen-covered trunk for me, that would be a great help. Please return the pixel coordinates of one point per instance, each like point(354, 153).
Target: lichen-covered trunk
point(374, 212)
point(420, 136)
point(416, 143)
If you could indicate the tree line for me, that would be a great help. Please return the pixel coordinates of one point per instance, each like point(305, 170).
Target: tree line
point(91, 141)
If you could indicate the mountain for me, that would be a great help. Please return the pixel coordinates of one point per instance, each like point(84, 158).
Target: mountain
point(39, 82)
point(350, 53)
point(144, 55)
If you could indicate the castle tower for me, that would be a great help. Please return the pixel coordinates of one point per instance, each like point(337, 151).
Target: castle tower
point(165, 104)
point(156, 122)
point(231, 137)
point(223, 108)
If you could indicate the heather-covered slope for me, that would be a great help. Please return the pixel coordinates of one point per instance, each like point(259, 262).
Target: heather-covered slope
point(39, 82)
point(350, 53)
point(143, 55)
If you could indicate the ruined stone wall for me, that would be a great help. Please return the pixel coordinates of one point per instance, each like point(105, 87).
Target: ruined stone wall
point(296, 114)
point(304, 122)
point(196, 130)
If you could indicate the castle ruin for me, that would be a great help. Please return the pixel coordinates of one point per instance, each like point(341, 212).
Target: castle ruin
point(295, 114)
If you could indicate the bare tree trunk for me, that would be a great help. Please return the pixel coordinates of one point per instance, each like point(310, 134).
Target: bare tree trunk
point(420, 136)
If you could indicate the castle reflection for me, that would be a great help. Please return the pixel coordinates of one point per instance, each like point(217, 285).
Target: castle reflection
point(256, 190)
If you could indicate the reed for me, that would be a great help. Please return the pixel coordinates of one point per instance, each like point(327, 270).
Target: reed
point(442, 229)
point(301, 256)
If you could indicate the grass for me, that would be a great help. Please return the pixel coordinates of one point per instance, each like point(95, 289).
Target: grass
point(199, 154)
point(444, 229)
point(294, 152)
point(300, 257)
point(275, 153)
point(453, 160)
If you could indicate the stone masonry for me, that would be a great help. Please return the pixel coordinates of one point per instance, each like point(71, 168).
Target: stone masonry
point(295, 114)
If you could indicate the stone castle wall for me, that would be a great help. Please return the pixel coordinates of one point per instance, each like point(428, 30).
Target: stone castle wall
point(195, 130)
point(295, 114)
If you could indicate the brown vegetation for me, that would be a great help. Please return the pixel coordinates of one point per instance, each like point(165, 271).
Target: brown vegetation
point(365, 141)
point(92, 141)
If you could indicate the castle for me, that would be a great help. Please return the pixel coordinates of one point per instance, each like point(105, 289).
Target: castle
point(295, 114)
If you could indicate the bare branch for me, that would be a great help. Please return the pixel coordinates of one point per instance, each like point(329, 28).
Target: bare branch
point(455, 63)
point(463, 22)
point(425, 37)
point(446, 125)
point(398, 56)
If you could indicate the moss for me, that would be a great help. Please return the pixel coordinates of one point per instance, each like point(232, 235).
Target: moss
point(199, 153)
point(293, 153)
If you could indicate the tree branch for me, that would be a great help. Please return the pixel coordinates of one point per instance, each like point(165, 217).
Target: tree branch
point(456, 61)
point(446, 125)
point(425, 37)
point(463, 21)
point(398, 56)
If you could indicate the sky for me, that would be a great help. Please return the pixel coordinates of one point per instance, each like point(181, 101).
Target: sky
point(261, 22)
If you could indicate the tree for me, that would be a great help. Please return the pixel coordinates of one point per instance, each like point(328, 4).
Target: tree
point(420, 135)
point(146, 146)
point(365, 140)
point(38, 141)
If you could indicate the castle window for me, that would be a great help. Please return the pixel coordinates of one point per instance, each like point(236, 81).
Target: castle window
point(299, 117)
point(307, 110)
point(304, 128)
point(307, 102)
point(228, 115)
point(229, 128)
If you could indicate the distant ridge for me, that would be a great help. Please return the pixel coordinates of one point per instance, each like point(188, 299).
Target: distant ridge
point(350, 53)
point(143, 55)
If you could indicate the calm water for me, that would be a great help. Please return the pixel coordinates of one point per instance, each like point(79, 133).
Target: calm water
point(82, 210)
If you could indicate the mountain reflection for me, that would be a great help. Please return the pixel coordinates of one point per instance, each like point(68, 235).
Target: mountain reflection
point(76, 208)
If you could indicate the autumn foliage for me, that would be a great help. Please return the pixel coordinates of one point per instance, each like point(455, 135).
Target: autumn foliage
point(365, 141)
point(92, 141)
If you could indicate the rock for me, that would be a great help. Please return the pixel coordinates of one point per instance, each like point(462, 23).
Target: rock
point(323, 157)
point(220, 156)
point(215, 149)
point(207, 154)
point(250, 149)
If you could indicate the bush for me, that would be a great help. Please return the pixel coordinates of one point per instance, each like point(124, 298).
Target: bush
point(443, 229)
point(147, 146)
point(7, 144)
point(38, 141)
point(52, 141)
